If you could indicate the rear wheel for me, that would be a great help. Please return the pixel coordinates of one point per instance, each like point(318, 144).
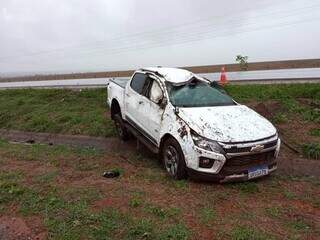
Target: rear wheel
point(121, 128)
point(173, 159)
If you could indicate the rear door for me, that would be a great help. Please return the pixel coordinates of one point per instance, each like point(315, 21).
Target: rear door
point(133, 96)
point(135, 100)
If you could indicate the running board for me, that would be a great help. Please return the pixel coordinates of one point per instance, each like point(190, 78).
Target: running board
point(142, 138)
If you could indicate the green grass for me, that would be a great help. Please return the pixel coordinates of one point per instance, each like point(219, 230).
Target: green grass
point(207, 215)
point(46, 178)
point(160, 212)
point(312, 150)
point(273, 212)
point(10, 190)
point(181, 184)
point(280, 118)
point(286, 95)
point(66, 213)
point(135, 202)
point(308, 113)
point(176, 232)
point(289, 195)
point(246, 188)
point(299, 225)
point(244, 93)
point(315, 132)
point(56, 111)
point(84, 112)
point(66, 210)
point(248, 233)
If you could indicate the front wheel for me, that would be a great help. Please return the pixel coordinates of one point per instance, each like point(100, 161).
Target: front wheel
point(173, 159)
point(121, 128)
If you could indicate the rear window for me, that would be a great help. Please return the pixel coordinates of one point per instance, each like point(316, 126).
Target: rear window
point(138, 82)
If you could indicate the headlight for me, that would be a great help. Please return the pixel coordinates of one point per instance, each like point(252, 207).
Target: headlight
point(206, 144)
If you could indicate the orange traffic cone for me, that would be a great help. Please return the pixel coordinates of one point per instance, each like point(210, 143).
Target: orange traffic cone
point(223, 77)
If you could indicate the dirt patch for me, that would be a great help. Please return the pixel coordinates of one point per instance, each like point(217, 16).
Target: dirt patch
point(268, 110)
point(28, 167)
point(289, 161)
point(120, 203)
point(310, 102)
point(106, 144)
point(15, 228)
point(293, 127)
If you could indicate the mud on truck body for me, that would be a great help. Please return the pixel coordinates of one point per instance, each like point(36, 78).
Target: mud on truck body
point(195, 127)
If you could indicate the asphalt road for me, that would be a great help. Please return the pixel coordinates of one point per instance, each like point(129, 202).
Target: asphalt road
point(244, 77)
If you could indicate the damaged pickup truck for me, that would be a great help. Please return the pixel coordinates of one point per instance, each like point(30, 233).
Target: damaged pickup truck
point(194, 126)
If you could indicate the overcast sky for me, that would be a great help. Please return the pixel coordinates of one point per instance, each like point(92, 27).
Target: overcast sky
point(98, 35)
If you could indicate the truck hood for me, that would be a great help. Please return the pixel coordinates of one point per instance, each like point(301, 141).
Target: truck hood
point(227, 123)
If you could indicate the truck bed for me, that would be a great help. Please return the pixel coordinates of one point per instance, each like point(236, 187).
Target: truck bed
point(120, 81)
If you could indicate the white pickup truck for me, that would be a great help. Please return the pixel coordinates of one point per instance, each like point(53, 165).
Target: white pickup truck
point(195, 127)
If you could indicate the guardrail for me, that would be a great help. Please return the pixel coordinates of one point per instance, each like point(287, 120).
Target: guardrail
point(255, 66)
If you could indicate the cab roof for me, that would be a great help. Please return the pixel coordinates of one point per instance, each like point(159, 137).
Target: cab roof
point(172, 75)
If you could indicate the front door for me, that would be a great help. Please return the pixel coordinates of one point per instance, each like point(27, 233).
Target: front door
point(153, 112)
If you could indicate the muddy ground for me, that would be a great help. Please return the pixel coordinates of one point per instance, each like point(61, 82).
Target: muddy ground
point(276, 207)
point(291, 161)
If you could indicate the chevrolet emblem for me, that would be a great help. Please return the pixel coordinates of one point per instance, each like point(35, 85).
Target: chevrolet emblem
point(257, 148)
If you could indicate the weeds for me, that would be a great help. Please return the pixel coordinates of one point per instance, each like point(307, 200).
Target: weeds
point(207, 215)
point(315, 132)
point(143, 229)
point(280, 118)
point(289, 195)
point(312, 150)
point(162, 213)
point(247, 187)
point(10, 190)
point(46, 178)
point(299, 225)
point(181, 184)
point(248, 233)
point(273, 212)
point(176, 232)
point(135, 202)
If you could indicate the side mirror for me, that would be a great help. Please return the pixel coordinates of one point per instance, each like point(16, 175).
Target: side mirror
point(159, 99)
point(163, 103)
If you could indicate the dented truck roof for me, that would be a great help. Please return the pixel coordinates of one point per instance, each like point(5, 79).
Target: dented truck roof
point(176, 76)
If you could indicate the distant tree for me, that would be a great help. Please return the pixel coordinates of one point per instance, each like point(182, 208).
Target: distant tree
point(243, 61)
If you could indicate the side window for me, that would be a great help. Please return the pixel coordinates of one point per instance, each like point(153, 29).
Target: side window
point(137, 82)
point(156, 93)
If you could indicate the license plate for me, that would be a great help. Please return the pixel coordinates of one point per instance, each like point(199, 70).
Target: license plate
point(258, 172)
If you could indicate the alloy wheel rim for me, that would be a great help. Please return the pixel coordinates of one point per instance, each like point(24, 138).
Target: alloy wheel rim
point(119, 129)
point(171, 160)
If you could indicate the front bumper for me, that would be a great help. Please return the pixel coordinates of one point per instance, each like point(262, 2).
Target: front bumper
point(234, 165)
point(223, 178)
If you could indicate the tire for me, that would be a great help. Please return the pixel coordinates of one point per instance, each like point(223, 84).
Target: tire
point(173, 159)
point(120, 127)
